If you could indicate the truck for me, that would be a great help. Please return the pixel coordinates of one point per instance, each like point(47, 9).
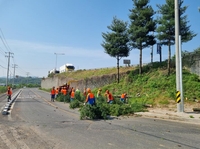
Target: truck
point(67, 67)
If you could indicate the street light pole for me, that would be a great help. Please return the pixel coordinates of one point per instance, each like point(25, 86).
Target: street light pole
point(180, 107)
point(56, 58)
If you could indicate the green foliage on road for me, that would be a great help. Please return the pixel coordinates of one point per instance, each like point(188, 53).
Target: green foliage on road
point(63, 98)
point(102, 110)
point(74, 104)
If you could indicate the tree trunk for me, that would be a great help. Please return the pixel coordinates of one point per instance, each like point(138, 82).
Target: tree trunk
point(169, 58)
point(140, 69)
point(118, 69)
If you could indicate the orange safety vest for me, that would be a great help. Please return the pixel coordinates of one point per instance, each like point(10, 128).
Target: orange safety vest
point(64, 91)
point(110, 96)
point(90, 98)
point(57, 91)
point(53, 91)
point(123, 96)
point(9, 92)
point(72, 94)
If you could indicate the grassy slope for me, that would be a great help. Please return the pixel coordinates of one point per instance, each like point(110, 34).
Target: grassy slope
point(157, 88)
point(82, 74)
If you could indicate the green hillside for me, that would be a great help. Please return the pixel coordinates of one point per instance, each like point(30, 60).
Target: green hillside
point(156, 87)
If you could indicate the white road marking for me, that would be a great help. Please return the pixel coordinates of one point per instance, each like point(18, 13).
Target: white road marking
point(18, 139)
point(6, 140)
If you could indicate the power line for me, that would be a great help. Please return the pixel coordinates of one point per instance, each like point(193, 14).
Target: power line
point(3, 67)
point(9, 55)
point(2, 51)
point(5, 43)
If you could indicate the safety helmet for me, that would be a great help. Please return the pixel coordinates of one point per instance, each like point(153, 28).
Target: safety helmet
point(88, 90)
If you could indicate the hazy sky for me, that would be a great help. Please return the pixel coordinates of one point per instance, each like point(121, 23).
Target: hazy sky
point(33, 30)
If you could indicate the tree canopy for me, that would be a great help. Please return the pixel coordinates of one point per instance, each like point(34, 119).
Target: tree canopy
point(166, 26)
point(116, 42)
point(142, 27)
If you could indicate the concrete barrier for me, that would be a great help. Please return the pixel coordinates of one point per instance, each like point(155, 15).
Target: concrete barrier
point(9, 104)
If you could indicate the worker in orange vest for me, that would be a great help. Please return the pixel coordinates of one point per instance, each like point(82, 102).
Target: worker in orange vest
point(90, 99)
point(64, 92)
point(57, 91)
point(53, 92)
point(9, 93)
point(123, 97)
point(109, 97)
point(72, 95)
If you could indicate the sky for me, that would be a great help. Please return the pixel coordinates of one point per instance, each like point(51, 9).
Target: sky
point(45, 34)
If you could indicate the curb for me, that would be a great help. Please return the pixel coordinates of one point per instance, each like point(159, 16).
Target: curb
point(9, 104)
point(181, 117)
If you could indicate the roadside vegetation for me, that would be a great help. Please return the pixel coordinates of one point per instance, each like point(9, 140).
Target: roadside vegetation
point(2, 89)
point(153, 88)
point(83, 73)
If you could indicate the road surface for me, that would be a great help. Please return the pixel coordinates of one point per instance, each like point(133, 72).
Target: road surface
point(36, 123)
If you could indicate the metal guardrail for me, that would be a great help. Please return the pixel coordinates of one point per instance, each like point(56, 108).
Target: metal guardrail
point(9, 104)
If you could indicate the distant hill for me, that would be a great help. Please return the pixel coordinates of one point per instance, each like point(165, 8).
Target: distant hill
point(22, 80)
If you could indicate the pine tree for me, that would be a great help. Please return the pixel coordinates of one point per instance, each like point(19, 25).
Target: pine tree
point(142, 27)
point(166, 26)
point(116, 42)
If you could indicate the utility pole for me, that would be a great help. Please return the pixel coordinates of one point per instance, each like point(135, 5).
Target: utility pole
point(178, 57)
point(152, 54)
point(14, 66)
point(9, 55)
point(27, 78)
point(56, 58)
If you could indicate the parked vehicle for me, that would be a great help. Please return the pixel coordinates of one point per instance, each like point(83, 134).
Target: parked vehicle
point(67, 67)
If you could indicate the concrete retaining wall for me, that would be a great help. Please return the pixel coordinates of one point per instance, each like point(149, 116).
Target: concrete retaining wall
point(94, 82)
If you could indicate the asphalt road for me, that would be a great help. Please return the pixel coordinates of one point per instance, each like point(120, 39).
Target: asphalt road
point(36, 123)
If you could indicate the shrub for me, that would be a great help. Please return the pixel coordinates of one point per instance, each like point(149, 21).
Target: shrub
point(74, 104)
point(89, 111)
point(102, 109)
point(61, 98)
point(114, 109)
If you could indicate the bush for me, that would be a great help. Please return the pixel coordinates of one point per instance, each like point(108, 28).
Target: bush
point(115, 110)
point(88, 111)
point(102, 109)
point(137, 107)
point(61, 98)
point(79, 97)
point(126, 109)
point(74, 104)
